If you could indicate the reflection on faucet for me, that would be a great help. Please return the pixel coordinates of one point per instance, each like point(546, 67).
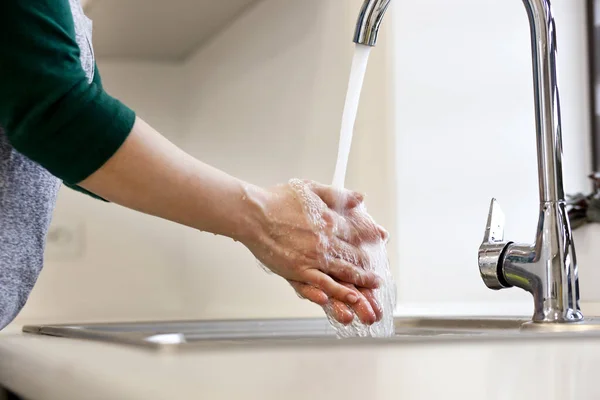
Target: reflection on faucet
point(369, 21)
point(584, 209)
point(548, 268)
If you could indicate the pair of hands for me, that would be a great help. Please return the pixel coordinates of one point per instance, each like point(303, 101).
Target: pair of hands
point(311, 235)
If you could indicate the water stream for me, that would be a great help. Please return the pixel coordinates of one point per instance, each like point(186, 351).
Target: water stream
point(375, 252)
point(355, 84)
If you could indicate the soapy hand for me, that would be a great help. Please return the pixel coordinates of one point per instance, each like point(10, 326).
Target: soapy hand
point(304, 240)
point(367, 309)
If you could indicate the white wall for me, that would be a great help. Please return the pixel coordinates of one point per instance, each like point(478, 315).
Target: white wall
point(465, 129)
point(263, 101)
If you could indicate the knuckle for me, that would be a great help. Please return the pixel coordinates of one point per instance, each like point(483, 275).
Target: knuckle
point(362, 279)
point(321, 281)
point(346, 273)
point(315, 237)
point(315, 255)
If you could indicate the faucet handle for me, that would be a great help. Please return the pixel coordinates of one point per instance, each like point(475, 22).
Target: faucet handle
point(492, 249)
point(494, 230)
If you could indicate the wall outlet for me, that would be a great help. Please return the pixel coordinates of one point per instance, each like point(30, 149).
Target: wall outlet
point(65, 241)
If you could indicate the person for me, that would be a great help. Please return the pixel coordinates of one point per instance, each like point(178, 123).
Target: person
point(59, 126)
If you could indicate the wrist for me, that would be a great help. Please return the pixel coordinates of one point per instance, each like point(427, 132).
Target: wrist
point(248, 220)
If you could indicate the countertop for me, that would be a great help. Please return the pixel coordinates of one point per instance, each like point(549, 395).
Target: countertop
point(47, 368)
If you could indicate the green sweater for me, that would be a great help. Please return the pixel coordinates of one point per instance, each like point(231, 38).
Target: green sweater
point(49, 110)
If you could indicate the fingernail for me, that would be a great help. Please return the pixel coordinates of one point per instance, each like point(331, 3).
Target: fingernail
point(352, 298)
point(376, 281)
point(369, 319)
point(384, 233)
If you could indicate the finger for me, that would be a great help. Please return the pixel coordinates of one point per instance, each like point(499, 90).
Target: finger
point(346, 272)
point(385, 236)
point(347, 231)
point(349, 253)
point(345, 314)
point(310, 293)
point(340, 312)
point(364, 310)
point(342, 228)
point(375, 306)
point(336, 199)
point(365, 229)
point(331, 287)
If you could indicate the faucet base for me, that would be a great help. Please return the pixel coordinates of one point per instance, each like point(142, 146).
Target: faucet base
point(587, 324)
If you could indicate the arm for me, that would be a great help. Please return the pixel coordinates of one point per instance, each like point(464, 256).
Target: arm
point(151, 175)
point(78, 132)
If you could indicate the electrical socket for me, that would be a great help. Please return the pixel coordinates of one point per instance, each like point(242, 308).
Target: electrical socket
point(65, 241)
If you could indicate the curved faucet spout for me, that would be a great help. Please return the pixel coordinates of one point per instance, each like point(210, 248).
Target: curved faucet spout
point(369, 21)
point(547, 103)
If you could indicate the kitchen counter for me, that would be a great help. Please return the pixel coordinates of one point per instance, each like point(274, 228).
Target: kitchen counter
point(47, 368)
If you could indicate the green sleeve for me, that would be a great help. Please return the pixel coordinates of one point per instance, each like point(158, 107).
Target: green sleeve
point(77, 188)
point(48, 109)
point(86, 192)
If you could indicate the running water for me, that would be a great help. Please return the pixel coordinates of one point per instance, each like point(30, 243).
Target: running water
point(357, 76)
point(376, 252)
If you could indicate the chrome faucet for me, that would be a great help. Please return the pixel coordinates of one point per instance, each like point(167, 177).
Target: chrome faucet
point(548, 268)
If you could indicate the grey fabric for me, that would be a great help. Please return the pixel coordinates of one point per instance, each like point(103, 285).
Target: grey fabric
point(27, 198)
point(83, 34)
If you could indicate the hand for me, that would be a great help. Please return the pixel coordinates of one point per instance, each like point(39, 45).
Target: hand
point(367, 309)
point(302, 239)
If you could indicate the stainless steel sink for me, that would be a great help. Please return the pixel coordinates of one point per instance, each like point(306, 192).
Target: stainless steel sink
point(189, 334)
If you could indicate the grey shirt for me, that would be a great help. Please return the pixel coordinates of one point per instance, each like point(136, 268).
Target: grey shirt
point(27, 198)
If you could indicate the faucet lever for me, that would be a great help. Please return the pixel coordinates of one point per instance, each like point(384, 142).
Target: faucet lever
point(492, 249)
point(494, 231)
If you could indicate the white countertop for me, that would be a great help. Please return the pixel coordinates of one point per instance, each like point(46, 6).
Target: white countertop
point(46, 368)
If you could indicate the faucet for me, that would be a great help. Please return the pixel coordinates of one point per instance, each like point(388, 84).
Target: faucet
point(547, 268)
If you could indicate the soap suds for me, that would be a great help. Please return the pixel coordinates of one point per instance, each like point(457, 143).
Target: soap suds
point(374, 259)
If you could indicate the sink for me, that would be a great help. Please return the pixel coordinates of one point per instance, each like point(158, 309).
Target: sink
point(188, 334)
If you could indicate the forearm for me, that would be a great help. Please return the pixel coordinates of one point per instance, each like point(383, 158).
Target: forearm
point(150, 174)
